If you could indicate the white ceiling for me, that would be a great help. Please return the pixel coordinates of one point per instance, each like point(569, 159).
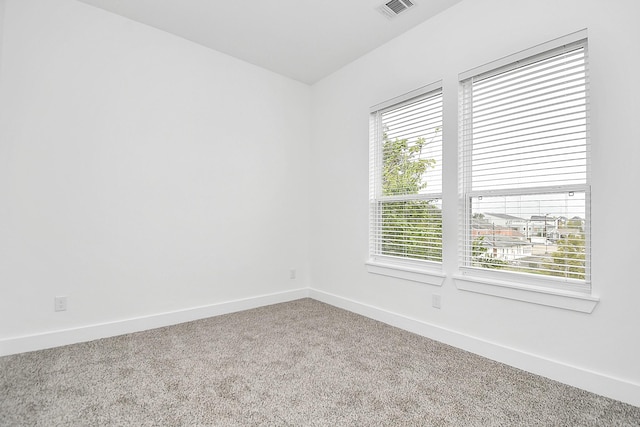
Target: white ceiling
point(302, 39)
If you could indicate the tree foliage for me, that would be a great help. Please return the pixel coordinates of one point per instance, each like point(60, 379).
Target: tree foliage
point(410, 228)
point(569, 260)
point(403, 166)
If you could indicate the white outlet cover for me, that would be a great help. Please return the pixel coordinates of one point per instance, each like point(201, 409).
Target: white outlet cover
point(436, 301)
point(60, 303)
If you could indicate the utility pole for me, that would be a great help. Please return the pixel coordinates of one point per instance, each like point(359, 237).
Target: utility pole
point(546, 249)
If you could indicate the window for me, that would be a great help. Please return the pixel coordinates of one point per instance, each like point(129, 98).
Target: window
point(525, 168)
point(406, 179)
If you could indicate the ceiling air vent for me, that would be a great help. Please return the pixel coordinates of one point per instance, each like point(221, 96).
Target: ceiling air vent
point(393, 8)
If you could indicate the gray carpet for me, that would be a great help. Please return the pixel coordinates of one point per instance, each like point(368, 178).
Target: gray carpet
point(302, 363)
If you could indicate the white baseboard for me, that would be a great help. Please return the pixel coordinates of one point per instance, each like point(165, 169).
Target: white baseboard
point(594, 382)
point(109, 329)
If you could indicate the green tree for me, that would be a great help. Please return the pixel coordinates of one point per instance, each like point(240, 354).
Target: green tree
point(410, 228)
point(403, 166)
point(478, 250)
point(569, 260)
point(575, 224)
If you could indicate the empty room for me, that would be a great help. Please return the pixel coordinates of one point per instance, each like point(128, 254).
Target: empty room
point(310, 213)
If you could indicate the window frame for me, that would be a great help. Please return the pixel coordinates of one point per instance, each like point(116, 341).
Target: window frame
point(566, 293)
point(422, 271)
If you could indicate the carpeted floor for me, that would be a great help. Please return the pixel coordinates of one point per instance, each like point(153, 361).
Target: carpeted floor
point(302, 363)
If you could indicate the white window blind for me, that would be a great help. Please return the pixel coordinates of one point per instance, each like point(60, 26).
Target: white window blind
point(406, 178)
point(525, 168)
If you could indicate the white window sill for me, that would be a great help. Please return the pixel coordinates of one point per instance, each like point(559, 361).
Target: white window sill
point(550, 297)
point(406, 272)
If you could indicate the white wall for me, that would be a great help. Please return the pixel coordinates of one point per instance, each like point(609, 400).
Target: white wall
point(598, 351)
point(140, 173)
point(1, 28)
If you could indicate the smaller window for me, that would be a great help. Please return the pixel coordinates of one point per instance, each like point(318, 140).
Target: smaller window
point(406, 178)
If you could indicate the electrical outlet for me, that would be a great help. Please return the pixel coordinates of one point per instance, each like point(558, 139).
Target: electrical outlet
point(60, 303)
point(436, 301)
point(292, 273)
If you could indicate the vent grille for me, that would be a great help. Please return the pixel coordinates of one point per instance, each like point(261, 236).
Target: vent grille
point(395, 7)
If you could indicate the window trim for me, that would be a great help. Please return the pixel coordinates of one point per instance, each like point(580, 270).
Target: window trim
point(401, 99)
point(568, 300)
point(523, 56)
point(424, 272)
point(421, 271)
point(555, 292)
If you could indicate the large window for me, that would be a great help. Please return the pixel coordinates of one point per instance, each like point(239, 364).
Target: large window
point(525, 169)
point(406, 178)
